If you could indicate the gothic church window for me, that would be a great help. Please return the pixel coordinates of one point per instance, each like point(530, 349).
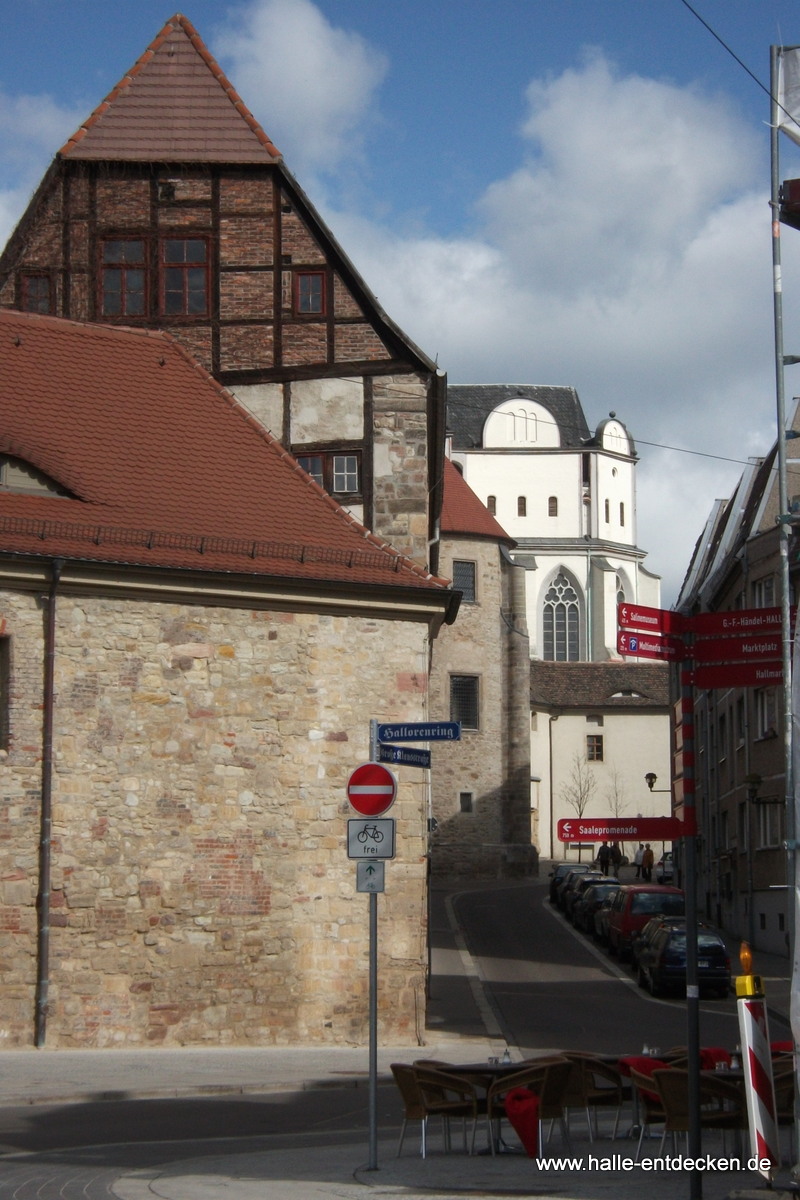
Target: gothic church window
point(561, 641)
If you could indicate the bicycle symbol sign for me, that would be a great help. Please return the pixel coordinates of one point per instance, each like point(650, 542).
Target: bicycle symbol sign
point(370, 838)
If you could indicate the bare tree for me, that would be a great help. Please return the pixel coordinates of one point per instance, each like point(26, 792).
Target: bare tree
point(580, 789)
point(615, 794)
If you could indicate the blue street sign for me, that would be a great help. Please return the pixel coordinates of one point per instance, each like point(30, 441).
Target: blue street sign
point(421, 731)
point(406, 758)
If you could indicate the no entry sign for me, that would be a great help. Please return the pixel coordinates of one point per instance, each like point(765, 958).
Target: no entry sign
point(371, 789)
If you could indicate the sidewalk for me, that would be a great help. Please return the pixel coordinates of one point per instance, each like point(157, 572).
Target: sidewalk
point(461, 1028)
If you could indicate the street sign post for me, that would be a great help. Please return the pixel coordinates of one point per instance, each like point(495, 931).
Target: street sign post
point(644, 829)
point(404, 757)
point(421, 731)
point(371, 789)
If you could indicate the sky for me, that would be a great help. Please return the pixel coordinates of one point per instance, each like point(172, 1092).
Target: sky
point(570, 192)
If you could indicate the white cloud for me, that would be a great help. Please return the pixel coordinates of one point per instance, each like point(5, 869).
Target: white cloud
point(313, 85)
point(32, 128)
point(627, 255)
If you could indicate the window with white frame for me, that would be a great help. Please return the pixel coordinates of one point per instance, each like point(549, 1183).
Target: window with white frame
point(770, 823)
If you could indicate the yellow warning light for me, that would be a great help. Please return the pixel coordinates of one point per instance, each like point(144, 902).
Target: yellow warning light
point(746, 958)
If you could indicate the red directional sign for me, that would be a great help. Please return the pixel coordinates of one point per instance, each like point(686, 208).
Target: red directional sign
point(644, 645)
point(747, 674)
point(741, 620)
point(649, 620)
point(737, 649)
point(643, 829)
point(371, 789)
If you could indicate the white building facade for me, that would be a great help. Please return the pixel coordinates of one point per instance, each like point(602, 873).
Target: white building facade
point(567, 496)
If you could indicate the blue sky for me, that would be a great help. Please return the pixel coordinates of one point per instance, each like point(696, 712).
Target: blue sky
point(539, 191)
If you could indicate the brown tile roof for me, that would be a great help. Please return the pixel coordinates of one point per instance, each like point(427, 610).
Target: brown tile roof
point(464, 513)
point(581, 685)
point(174, 105)
point(164, 467)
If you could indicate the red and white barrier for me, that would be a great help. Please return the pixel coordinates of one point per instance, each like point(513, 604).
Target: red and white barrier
point(759, 1085)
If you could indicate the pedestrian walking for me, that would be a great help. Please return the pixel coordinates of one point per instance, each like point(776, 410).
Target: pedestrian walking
point(648, 859)
point(637, 860)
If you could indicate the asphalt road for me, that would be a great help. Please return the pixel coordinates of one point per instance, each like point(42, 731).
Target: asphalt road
point(553, 988)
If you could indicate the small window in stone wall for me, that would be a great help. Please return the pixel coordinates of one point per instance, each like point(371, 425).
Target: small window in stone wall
point(464, 700)
point(466, 802)
point(464, 579)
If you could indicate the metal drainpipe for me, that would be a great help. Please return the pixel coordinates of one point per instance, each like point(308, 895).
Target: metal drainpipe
point(43, 899)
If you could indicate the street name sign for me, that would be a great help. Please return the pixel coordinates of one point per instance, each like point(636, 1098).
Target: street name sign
point(747, 674)
point(371, 789)
point(404, 757)
point(370, 838)
point(645, 645)
point(421, 731)
point(649, 620)
point(640, 829)
point(370, 877)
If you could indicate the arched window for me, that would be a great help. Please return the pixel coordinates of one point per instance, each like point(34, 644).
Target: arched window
point(522, 506)
point(552, 506)
point(561, 639)
point(620, 591)
point(491, 504)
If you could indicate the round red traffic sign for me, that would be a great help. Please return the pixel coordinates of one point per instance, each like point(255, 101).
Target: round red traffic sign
point(371, 789)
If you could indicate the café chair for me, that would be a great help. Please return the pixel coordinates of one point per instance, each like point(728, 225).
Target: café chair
point(429, 1092)
point(722, 1103)
point(649, 1109)
point(595, 1084)
point(547, 1078)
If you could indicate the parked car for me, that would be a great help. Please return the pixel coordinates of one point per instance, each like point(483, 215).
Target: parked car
point(601, 916)
point(576, 886)
point(557, 876)
point(662, 963)
point(634, 905)
point(648, 931)
point(665, 872)
point(577, 869)
point(589, 901)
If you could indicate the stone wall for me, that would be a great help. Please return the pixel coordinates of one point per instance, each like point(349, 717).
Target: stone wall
point(490, 763)
point(201, 890)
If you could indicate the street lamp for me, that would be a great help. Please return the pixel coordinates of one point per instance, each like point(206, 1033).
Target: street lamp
point(651, 779)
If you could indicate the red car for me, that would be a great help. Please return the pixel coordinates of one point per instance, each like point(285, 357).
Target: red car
point(634, 905)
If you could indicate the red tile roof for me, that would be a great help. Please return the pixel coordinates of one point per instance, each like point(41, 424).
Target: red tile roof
point(464, 513)
point(164, 467)
point(174, 105)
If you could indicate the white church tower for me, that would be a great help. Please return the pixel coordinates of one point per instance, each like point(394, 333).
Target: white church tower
point(568, 498)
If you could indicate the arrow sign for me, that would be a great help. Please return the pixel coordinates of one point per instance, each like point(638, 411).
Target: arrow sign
point(644, 645)
point(649, 620)
point(644, 829)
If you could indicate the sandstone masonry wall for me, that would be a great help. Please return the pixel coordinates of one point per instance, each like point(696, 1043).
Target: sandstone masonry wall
point(202, 892)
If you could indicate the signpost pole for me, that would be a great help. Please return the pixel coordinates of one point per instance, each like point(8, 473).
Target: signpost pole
point(373, 996)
